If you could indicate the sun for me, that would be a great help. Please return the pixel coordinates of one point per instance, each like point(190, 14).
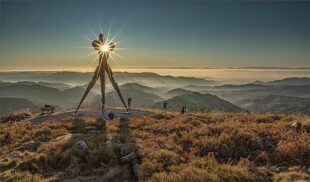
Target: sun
point(105, 48)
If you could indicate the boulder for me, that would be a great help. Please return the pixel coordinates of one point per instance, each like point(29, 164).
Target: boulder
point(81, 144)
point(129, 157)
point(30, 146)
point(297, 126)
point(64, 137)
point(4, 167)
point(46, 131)
point(15, 155)
point(136, 169)
point(282, 169)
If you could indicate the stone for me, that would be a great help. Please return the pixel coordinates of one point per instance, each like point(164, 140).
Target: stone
point(81, 144)
point(46, 131)
point(129, 157)
point(4, 167)
point(32, 146)
point(282, 168)
point(136, 169)
point(15, 155)
point(20, 148)
point(297, 126)
point(115, 140)
point(63, 137)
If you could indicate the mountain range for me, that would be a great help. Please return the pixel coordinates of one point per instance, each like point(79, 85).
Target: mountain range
point(34, 89)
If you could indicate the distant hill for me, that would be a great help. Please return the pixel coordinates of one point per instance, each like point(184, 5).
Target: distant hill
point(79, 78)
point(226, 87)
point(177, 92)
point(141, 96)
point(195, 101)
point(236, 96)
point(40, 94)
point(277, 104)
point(8, 104)
point(60, 86)
point(197, 88)
point(298, 91)
point(287, 81)
point(136, 86)
point(232, 87)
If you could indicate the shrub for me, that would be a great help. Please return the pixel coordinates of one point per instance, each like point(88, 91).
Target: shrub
point(21, 176)
point(100, 124)
point(15, 116)
point(79, 125)
point(292, 176)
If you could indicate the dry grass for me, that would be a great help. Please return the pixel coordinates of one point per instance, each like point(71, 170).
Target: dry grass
point(170, 147)
point(15, 116)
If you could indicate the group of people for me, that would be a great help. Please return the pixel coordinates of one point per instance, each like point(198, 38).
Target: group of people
point(165, 104)
point(111, 115)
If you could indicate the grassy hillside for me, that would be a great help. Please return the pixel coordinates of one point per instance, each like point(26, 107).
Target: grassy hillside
point(141, 96)
point(195, 101)
point(9, 104)
point(277, 104)
point(168, 147)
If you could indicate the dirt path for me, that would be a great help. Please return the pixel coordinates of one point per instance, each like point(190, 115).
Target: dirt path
point(88, 113)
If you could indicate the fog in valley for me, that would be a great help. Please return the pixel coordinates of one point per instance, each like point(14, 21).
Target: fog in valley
point(233, 90)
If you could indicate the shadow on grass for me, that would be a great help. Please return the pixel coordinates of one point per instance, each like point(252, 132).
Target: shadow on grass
point(81, 152)
point(68, 158)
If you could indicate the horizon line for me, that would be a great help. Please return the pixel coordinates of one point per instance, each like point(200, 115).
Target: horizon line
point(151, 67)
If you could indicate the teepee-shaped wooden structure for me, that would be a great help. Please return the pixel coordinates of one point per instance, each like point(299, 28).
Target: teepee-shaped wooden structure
point(103, 50)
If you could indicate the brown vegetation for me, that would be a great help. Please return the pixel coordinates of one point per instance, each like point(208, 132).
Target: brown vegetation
point(169, 147)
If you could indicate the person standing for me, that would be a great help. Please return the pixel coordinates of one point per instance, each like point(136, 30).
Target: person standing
point(165, 103)
point(129, 103)
point(183, 110)
point(111, 115)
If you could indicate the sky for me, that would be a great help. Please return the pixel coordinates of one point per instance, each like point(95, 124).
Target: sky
point(57, 35)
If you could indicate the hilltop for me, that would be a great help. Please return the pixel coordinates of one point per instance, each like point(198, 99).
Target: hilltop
point(163, 147)
point(195, 101)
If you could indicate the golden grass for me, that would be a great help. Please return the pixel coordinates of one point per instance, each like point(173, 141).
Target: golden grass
point(170, 147)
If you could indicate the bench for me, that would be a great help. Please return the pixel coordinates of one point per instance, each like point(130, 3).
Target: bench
point(47, 109)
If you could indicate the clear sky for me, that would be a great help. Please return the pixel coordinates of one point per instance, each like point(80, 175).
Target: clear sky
point(50, 35)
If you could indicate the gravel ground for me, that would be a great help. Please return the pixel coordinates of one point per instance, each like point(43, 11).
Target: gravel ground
point(88, 113)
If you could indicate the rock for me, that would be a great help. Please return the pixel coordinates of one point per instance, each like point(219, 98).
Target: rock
point(4, 167)
point(63, 137)
point(81, 144)
point(297, 126)
point(129, 157)
point(20, 148)
point(115, 140)
point(44, 132)
point(15, 155)
point(125, 150)
point(32, 146)
point(282, 168)
point(136, 170)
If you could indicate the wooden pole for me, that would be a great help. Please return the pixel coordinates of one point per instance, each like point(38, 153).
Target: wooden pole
point(102, 83)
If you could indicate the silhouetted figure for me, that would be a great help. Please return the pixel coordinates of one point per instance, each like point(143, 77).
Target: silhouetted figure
point(183, 111)
point(129, 102)
point(111, 115)
point(165, 103)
